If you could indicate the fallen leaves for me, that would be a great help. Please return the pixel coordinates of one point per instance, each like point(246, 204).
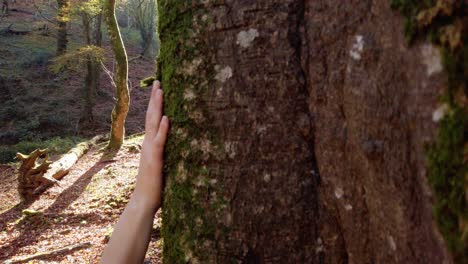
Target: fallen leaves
point(55, 222)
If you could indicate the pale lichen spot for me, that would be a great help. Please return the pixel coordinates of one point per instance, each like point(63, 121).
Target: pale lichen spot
point(188, 255)
point(200, 182)
point(238, 97)
point(391, 243)
point(203, 144)
point(261, 129)
point(440, 112)
point(245, 38)
point(182, 132)
point(259, 209)
point(196, 116)
point(184, 153)
point(319, 247)
point(230, 148)
point(189, 95)
point(213, 182)
point(357, 48)
point(194, 143)
point(339, 193)
point(214, 196)
point(198, 221)
point(190, 68)
point(224, 74)
point(227, 219)
point(267, 177)
point(181, 172)
point(431, 59)
point(219, 92)
point(348, 207)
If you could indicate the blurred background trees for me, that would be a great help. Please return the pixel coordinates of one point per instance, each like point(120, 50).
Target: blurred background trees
point(144, 17)
point(58, 72)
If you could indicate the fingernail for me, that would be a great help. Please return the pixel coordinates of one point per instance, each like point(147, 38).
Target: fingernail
point(156, 84)
point(159, 92)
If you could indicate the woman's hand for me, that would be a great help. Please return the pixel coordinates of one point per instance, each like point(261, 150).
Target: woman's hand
point(132, 233)
point(148, 190)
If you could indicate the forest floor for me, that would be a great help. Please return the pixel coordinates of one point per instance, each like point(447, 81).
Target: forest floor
point(83, 208)
point(38, 105)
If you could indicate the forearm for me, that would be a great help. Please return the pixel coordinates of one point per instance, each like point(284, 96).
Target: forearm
point(132, 233)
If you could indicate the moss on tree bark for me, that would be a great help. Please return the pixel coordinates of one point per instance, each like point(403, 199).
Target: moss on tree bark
point(119, 114)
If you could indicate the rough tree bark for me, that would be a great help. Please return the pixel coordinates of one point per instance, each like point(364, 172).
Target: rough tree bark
point(119, 114)
point(298, 133)
point(63, 17)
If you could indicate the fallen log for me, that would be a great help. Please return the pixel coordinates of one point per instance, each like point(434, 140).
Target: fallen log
point(62, 166)
point(64, 250)
point(20, 11)
point(37, 173)
point(31, 172)
point(10, 31)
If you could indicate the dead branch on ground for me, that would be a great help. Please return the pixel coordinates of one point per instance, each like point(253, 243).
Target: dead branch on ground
point(64, 250)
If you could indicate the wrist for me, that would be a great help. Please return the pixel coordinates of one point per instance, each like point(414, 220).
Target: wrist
point(142, 203)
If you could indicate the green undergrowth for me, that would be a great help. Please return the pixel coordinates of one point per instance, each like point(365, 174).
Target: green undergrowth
point(190, 198)
point(55, 146)
point(443, 23)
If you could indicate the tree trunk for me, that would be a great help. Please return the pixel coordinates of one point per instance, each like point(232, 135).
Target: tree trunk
point(87, 112)
point(93, 67)
point(63, 17)
point(98, 43)
point(4, 8)
point(121, 80)
point(297, 133)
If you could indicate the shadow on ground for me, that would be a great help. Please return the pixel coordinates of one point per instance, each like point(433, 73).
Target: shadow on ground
point(39, 224)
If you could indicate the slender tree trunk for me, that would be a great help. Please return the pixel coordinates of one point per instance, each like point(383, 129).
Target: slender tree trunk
point(93, 36)
point(298, 130)
point(63, 17)
point(98, 43)
point(5, 7)
point(120, 111)
point(87, 112)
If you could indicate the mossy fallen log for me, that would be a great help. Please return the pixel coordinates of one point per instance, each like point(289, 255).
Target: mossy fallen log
point(37, 173)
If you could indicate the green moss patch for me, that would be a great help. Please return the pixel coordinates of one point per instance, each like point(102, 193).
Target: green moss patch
point(443, 23)
point(190, 198)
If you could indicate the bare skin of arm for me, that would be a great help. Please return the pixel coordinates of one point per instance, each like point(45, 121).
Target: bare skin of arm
point(131, 235)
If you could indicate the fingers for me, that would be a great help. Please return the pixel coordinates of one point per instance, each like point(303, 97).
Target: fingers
point(154, 113)
point(162, 133)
